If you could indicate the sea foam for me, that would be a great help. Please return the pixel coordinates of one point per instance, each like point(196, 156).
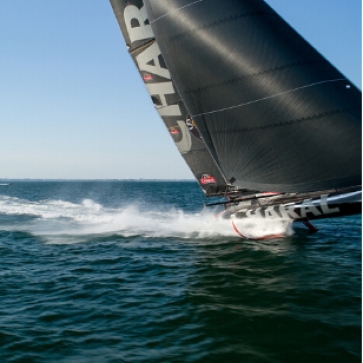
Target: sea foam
point(50, 218)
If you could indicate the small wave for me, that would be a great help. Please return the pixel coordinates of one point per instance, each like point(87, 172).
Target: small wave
point(48, 209)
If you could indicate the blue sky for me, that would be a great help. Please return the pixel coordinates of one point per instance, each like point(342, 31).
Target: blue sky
point(72, 105)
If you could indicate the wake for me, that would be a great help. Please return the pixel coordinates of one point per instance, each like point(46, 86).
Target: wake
point(57, 217)
point(58, 221)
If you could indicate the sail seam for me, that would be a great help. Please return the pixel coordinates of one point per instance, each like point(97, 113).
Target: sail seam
point(191, 31)
point(290, 122)
point(174, 11)
point(257, 74)
point(269, 97)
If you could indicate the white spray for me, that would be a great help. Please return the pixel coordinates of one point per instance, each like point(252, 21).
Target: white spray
point(51, 218)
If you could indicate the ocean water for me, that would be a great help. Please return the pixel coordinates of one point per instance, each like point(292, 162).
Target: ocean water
point(126, 271)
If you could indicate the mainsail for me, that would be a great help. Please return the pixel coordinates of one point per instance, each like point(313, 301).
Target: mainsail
point(142, 46)
point(273, 112)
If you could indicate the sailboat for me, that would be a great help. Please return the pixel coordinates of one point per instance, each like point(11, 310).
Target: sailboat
point(265, 123)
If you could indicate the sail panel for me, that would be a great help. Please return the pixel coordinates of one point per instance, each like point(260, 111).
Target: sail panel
point(274, 113)
point(135, 27)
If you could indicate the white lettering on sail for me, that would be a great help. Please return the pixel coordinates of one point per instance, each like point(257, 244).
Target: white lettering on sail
point(148, 61)
point(141, 31)
point(185, 144)
point(324, 205)
point(161, 89)
point(308, 208)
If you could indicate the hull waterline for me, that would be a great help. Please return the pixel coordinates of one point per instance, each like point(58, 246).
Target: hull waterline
point(270, 210)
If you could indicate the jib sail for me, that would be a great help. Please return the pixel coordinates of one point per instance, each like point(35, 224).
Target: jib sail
point(145, 52)
point(274, 113)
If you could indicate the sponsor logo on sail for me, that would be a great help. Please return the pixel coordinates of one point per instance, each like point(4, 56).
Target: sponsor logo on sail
point(147, 77)
point(207, 179)
point(151, 65)
point(174, 131)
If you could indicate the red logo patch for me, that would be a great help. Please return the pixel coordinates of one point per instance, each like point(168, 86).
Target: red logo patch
point(147, 77)
point(207, 179)
point(174, 131)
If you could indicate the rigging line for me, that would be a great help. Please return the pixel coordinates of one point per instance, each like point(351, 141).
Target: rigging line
point(268, 97)
point(183, 7)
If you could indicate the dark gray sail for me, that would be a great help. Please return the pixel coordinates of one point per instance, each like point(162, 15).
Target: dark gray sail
point(274, 113)
point(142, 46)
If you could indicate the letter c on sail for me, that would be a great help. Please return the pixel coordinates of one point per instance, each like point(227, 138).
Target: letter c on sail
point(185, 144)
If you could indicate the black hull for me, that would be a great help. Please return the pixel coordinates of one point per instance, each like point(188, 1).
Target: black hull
point(347, 209)
point(325, 206)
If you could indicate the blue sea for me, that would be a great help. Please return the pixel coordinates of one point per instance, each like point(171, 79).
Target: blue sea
point(140, 271)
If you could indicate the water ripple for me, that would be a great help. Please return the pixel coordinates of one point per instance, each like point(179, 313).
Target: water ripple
point(113, 297)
